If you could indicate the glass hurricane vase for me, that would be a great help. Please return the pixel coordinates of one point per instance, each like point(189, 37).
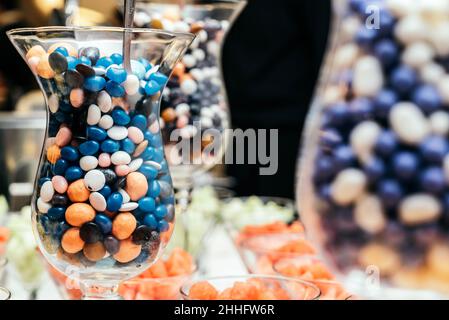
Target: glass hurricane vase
point(103, 203)
point(374, 166)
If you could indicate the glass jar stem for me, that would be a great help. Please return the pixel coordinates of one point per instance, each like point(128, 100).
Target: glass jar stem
point(183, 195)
point(103, 291)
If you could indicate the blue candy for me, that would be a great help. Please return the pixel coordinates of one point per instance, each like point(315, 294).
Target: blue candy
point(365, 37)
point(62, 51)
point(361, 109)
point(387, 52)
point(390, 193)
point(338, 115)
point(95, 83)
point(106, 191)
point(114, 89)
point(386, 144)
point(127, 145)
point(154, 189)
point(120, 117)
point(140, 121)
point(147, 204)
point(110, 146)
point(403, 79)
point(344, 157)
point(384, 101)
point(56, 213)
point(148, 154)
point(61, 228)
point(45, 223)
point(427, 98)
point(433, 180)
point(114, 202)
point(117, 58)
point(160, 78)
point(160, 212)
point(73, 173)
point(148, 171)
point(89, 148)
point(116, 74)
point(69, 153)
point(163, 226)
point(374, 169)
point(72, 63)
point(85, 60)
point(104, 223)
point(434, 149)
point(145, 63)
point(325, 169)
point(405, 165)
point(150, 221)
point(152, 87)
point(96, 133)
point(41, 181)
point(104, 62)
point(60, 167)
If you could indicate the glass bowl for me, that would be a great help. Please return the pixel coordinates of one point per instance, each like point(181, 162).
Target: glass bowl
point(5, 294)
point(250, 287)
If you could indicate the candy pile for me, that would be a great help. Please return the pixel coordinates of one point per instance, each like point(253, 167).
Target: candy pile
point(382, 172)
point(193, 101)
point(4, 237)
point(162, 280)
point(104, 193)
point(252, 289)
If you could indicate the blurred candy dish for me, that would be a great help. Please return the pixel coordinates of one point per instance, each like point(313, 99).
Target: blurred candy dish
point(163, 280)
point(374, 166)
point(253, 287)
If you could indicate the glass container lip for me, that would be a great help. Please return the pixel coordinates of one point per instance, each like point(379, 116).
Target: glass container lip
point(6, 292)
point(25, 31)
point(184, 288)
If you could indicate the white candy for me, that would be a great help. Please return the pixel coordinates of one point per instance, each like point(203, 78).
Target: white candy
point(47, 191)
point(439, 123)
point(53, 103)
point(202, 35)
point(106, 122)
point(99, 71)
point(443, 88)
point(154, 164)
point(94, 180)
point(433, 7)
point(409, 123)
point(199, 54)
point(350, 27)
point(97, 201)
point(42, 206)
point(432, 73)
point(129, 206)
point(125, 196)
point(131, 84)
point(418, 54)
point(182, 109)
point(181, 26)
point(88, 163)
point(135, 164)
point(120, 158)
point(195, 43)
point(207, 112)
point(439, 37)
point(369, 214)
point(348, 186)
point(189, 61)
point(411, 28)
point(363, 139)
point(346, 55)
point(118, 133)
point(206, 122)
point(419, 209)
point(368, 77)
point(213, 48)
point(93, 115)
point(104, 101)
point(141, 18)
point(333, 94)
point(401, 8)
point(189, 86)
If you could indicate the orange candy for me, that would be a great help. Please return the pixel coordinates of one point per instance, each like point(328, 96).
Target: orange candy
point(71, 241)
point(128, 251)
point(78, 214)
point(77, 191)
point(123, 225)
point(179, 70)
point(203, 290)
point(53, 154)
point(35, 51)
point(77, 97)
point(136, 185)
point(43, 68)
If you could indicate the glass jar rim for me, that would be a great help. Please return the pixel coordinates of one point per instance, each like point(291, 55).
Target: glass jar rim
point(6, 292)
point(17, 32)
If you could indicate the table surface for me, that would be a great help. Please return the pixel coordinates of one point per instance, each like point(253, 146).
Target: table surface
point(220, 259)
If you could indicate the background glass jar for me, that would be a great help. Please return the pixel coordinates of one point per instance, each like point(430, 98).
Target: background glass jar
point(374, 185)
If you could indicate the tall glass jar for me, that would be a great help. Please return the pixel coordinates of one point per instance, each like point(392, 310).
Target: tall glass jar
point(374, 170)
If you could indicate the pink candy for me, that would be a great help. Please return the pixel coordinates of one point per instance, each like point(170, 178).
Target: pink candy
point(104, 160)
point(77, 97)
point(59, 184)
point(122, 170)
point(135, 135)
point(63, 137)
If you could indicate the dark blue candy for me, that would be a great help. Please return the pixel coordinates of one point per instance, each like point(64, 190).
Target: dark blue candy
point(148, 154)
point(110, 146)
point(160, 78)
point(117, 58)
point(116, 74)
point(152, 87)
point(96, 133)
point(73, 173)
point(365, 37)
point(104, 223)
point(344, 157)
point(150, 221)
point(56, 213)
point(338, 115)
point(361, 109)
point(434, 149)
point(390, 193)
point(387, 52)
point(374, 169)
point(69, 153)
point(61, 228)
point(384, 101)
point(140, 121)
point(427, 98)
point(89, 148)
point(404, 79)
point(95, 83)
point(121, 118)
point(160, 212)
point(386, 144)
point(433, 180)
point(41, 181)
point(154, 189)
point(104, 62)
point(148, 171)
point(115, 89)
point(106, 191)
point(163, 226)
point(324, 193)
point(127, 145)
point(114, 202)
point(45, 223)
point(405, 165)
point(325, 169)
point(60, 167)
point(386, 23)
point(329, 139)
point(147, 204)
